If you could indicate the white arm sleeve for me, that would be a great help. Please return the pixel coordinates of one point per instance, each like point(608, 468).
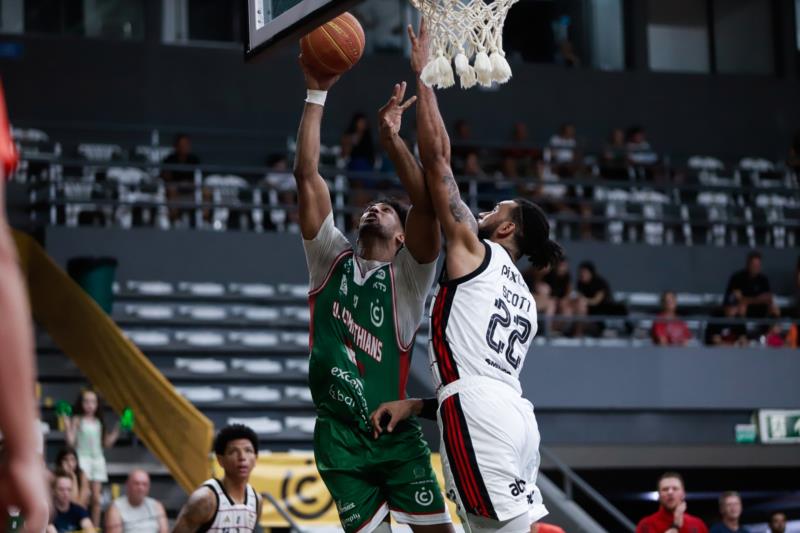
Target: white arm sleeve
point(413, 283)
point(322, 250)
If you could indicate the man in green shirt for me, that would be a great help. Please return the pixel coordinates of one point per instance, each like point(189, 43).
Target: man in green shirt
point(366, 305)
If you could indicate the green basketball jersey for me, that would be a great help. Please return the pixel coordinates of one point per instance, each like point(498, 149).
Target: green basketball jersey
point(357, 361)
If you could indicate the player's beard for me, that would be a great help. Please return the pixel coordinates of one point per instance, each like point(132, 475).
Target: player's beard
point(372, 230)
point(486, 231)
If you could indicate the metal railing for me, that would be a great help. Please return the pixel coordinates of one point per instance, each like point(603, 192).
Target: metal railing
point(570, 480)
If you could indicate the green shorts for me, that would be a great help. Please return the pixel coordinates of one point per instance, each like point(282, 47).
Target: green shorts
point(369, 478)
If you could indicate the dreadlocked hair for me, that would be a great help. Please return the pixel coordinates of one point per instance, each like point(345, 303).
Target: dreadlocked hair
point(532, 236)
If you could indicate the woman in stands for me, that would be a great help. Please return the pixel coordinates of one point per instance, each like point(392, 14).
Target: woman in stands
point(67, 462)
point(86, 432)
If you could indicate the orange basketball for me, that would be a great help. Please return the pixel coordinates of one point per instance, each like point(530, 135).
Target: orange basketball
point(334, 47)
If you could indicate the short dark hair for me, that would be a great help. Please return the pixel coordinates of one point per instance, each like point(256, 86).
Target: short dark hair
point(755, 254)
point(774, 513)
point(59, 474)
point(588, 265)
point(532, 235)
point(395, 203)
point(728, 494)
point(670, 475)
point(178, 136)
point(234, 432)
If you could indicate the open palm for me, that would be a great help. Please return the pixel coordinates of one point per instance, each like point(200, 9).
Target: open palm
point(390, 115)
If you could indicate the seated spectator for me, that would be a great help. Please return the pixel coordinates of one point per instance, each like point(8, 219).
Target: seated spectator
point(562, 151)
point(639, 150)
point(566, 55)
point(669, 330)
point(671, 516)
point(615, 156)
point(730, 508)
point(731, 332)
point(67, 516)
point(282, 192)
point(518, 159)
point(136, 512)
point(594, 292)
point(180, 183)
point(358, 149)
point(750, 290)
point(67, 462)
point(777, 522)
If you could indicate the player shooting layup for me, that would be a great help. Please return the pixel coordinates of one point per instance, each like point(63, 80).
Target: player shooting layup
point(366, 305)
point(483, 320)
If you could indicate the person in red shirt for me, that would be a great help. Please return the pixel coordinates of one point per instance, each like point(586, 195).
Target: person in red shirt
point(671, 516)
point(669, 330)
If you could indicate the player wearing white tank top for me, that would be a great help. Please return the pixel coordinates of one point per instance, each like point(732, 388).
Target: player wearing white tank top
point(230, 504)
point(483, 320)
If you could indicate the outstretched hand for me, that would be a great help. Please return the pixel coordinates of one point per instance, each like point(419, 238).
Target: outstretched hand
point(316, 81)
point(390, 116)
point(420, 47)
point(389, 414)
point(22, 485)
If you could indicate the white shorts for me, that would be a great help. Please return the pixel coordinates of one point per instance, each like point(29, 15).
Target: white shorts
point(489, 450)
point(94, 467)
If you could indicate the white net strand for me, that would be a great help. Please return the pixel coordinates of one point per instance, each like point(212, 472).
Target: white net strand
point(460, 31)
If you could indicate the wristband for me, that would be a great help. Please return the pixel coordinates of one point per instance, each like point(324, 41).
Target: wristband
point(316, 97)
point(429, 408)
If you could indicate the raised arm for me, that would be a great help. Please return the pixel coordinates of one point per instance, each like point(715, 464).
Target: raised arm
point(314, 199)
point(198, 511)
point(422, 228)
point(460, 227)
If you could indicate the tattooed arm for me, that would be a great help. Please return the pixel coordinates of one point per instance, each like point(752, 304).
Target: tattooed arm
point(197, 512)
point(464, 250)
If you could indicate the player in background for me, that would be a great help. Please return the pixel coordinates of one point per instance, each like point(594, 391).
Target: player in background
point(366, 303)
point(483, 319)
point(230, 504)
point(22, 476)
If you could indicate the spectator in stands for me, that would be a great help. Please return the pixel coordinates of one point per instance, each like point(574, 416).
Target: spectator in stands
point(566, 55)
point(731, 332)
point(615, 156)
point(671, 516)
point(730, 508)
point(136, 512)
point(357, 145)
point(67, 462)
point(67, 516)
point(561, 300)
point(562, 151)
point(518, 159)
point(181, 155)
point(750, 290)
point(594, 292)
point(777, 522)
point(180, 182)
point(87, 433)
point(640, 153)
point(282, 191)
point(669, 330)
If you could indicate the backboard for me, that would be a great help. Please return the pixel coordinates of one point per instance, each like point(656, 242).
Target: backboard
point(273, 23)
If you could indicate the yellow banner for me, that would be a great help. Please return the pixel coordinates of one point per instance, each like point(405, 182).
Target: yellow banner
point(171, 427)
point(293, 480)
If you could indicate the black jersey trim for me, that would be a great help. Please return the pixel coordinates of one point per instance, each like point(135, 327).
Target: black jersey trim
point(487, 257)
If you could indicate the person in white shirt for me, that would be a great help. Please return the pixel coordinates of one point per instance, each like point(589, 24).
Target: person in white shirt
point(136, 512)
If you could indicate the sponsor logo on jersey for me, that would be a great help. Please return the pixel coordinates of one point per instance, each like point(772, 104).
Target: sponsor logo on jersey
point(362, 338)
point(355, 517)
point(376, 313)
point(424, 497)
point(344, 507)
point(517, 487)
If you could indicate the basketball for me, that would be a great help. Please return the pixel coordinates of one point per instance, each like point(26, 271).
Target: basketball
point(334, 47)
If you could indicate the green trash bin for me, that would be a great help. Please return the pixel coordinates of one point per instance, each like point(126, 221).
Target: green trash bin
point(96, 276)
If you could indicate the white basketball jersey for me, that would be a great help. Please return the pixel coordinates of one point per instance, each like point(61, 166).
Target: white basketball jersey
point(232, 517)
point(482, 324)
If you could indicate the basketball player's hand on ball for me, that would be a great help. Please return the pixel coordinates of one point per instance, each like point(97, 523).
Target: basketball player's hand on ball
point(315, 81)
point(390, 116)
point(420, 47)
point(389, 414)
point(22, 485)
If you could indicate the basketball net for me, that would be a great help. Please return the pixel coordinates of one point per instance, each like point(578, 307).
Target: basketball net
point(468, 33)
